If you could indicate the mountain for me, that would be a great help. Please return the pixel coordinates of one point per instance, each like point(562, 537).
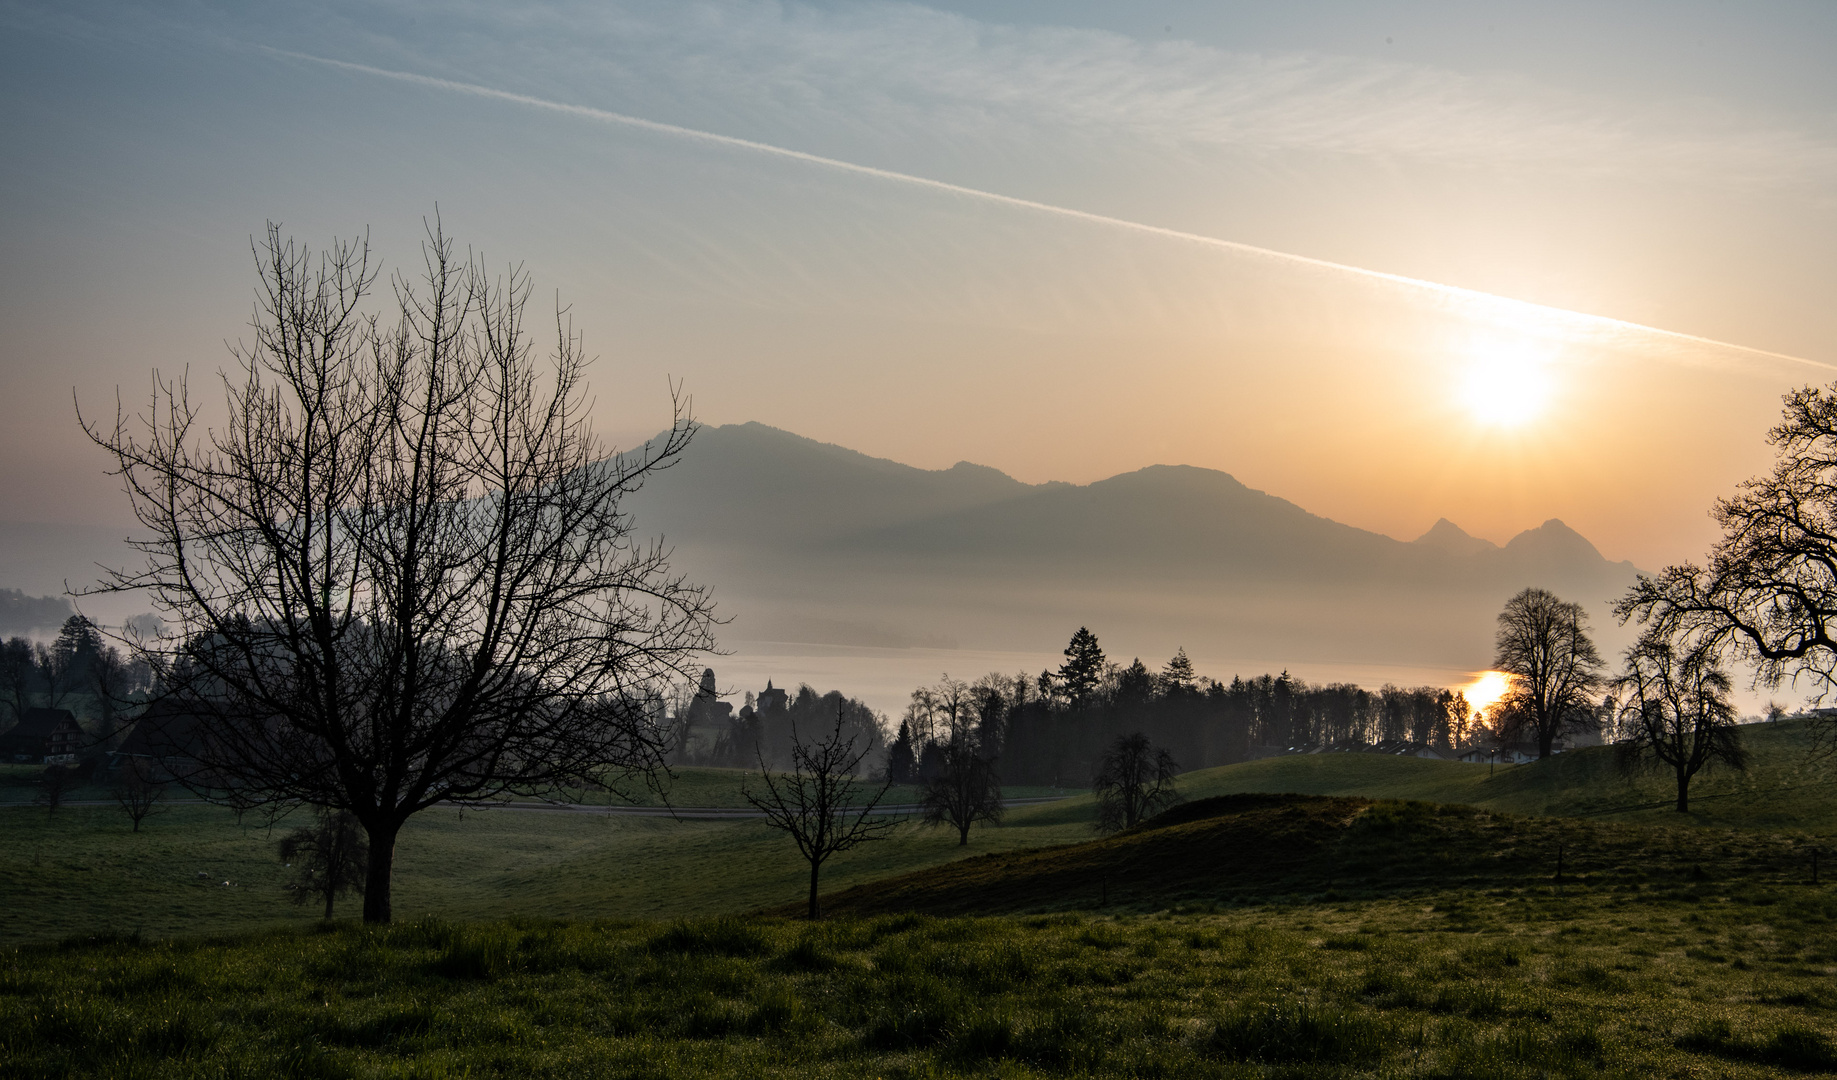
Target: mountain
point(1446, 536)
point(809, 541)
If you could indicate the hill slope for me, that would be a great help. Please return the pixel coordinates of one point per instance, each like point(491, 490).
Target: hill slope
point(1785, 786)
point(1255, 848)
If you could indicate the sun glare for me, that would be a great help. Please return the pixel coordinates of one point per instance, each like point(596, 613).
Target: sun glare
point(1486, 689)
point(1505, 386)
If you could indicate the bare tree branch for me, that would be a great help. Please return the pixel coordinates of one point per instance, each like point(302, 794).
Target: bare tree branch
point(400, 573)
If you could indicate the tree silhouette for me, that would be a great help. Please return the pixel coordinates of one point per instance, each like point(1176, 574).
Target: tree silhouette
point(138, 791)
point(1769, 588)
point(329, 858)
point(400, 573)
point(1675, 711)
point(965, 791)
point(1082, 673)
point(1543, 644)
point(1134, 782)
point(816, 802)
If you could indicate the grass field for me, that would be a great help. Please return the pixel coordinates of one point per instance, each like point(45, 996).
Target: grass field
point(1680, 979)
point(82, 870)
point(1240, 935)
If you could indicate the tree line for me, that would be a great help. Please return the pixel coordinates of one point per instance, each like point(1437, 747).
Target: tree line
point(77, 670)
point(1052, 729)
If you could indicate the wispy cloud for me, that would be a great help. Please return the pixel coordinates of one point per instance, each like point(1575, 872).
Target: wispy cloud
point(888, 71)
point(1503, 308)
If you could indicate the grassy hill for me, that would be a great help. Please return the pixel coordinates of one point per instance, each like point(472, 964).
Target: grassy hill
point(1783, 788)
point(1251, 848)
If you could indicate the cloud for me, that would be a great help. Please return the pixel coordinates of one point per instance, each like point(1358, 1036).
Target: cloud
point(1500, 309)
point(881, 73)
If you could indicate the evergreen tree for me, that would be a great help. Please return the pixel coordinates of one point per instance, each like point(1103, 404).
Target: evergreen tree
point(1082, 672)
point(1179, 675)
point(902, 763)
point(1135, 685)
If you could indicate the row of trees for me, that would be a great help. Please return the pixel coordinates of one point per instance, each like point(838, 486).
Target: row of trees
point(1670, 706)
point(1053, 728)
point(77, 670)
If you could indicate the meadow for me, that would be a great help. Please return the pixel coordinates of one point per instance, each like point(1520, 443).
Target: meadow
point(1692, 979)
point(1408, 918)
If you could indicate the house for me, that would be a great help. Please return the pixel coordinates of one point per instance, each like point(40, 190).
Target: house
point(44, 736)
point(161, 741)
point(771, 700)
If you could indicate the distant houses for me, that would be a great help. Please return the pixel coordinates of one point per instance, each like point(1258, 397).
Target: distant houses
point(44, 737)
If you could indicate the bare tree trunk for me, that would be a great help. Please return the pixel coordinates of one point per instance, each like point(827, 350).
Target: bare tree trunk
point(815, 912)
point(329, 897)
point(1683, 792)
point(377, 875)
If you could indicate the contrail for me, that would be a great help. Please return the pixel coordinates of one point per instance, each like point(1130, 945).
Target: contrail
point(606, 116)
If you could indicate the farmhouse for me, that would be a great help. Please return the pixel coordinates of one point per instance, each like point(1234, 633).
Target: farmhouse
point(43, 735)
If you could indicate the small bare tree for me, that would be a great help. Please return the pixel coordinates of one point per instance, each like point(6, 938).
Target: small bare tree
point(55, 785)
point(965, 791)
point(329, 858)
point(819, 801)
point(1675, 711)
point(1543, 644)
point(138, 792)
point(400, 574)
point(1134, 782)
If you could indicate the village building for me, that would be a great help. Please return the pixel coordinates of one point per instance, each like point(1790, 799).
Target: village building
point(44, 736)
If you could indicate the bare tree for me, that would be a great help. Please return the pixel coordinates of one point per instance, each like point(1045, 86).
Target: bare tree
point(55, 785)
point(138, 791)
point(1134, 782)
point(819, 801)
point(1543, 644)
point(399, 574)
point(1769, 589)
point(965, 791)
point(1675, 711)
point(329, 858)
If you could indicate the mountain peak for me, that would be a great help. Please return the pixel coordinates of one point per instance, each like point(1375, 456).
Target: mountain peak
point(1554, 540)
point(1446, 536)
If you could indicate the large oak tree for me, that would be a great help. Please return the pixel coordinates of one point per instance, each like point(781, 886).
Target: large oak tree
point(398, 570)
point(1769, 588)
point(1543, 644)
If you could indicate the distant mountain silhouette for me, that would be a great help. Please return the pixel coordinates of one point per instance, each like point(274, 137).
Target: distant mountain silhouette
point(1446, 536)
point(801, 539)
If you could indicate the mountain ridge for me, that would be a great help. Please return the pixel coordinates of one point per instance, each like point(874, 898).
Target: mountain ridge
point(801, 535)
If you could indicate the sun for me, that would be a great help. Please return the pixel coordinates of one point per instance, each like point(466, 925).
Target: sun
point(1505, 386)
point(1486, 689)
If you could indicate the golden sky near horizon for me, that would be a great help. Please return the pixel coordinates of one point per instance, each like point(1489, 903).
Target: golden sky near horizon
point(1390, 262)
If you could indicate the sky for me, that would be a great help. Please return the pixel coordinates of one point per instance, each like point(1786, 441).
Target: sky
point(1391, 261)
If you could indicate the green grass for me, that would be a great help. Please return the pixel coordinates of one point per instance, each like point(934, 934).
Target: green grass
point(1254, 848)
point(1783, 787)
point(82, 870)
point(1501, 983)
